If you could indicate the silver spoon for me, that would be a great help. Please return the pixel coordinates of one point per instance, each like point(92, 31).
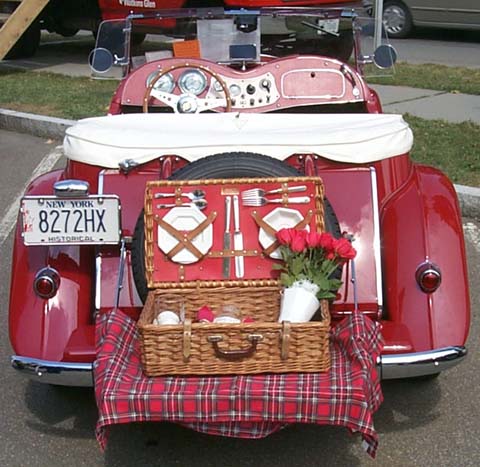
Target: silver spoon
point(196, 203)
point(192, 195)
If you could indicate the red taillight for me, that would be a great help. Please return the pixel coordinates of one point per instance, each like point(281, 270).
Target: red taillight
point(46, 283)
point(428, 277)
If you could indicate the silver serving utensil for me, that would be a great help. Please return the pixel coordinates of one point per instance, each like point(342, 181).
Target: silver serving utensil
point(237, 238)
point(261, 201)
point(197, 203)
point(192, 195)
point(259, 192)
point(226, 236)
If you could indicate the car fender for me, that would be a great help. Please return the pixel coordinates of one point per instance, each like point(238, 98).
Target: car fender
point(42, 328)
point(421, 222)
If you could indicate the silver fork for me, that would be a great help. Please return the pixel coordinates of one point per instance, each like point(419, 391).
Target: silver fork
point(262, 201)
point(258, 192)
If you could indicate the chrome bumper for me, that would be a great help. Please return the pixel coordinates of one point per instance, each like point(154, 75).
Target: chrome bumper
point(59, 373)
point(410, 365)
point(407, 365)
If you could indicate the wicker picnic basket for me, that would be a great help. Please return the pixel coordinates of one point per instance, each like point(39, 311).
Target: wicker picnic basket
point(193, 348)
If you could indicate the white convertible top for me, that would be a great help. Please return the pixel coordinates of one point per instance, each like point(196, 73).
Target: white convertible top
point(353, 138)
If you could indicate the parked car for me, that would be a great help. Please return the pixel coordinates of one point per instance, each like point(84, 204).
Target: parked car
point(401, 16)
point(209, 103)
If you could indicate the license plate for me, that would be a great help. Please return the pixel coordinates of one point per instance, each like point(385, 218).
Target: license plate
point(328, 25)
point(73, 221)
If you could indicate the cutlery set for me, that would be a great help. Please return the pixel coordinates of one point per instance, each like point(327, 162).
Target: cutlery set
point(253, 197)
point(250, 198)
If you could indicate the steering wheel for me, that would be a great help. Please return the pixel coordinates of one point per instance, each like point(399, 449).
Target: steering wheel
point(187, 103)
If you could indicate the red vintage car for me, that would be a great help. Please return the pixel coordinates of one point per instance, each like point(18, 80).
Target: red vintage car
point(229, 95)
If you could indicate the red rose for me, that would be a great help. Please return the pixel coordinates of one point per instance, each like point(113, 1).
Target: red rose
point(313, 239)
point(299, 241)
point(330, 255)
point(343, 248)
point(326, 242)
point(285, 236)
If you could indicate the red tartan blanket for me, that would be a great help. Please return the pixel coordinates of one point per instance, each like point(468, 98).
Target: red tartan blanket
point(248, 406)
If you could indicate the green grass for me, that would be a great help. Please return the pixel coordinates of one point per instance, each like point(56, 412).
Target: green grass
point(436, 77)
point(54, 95)
point(452, 147)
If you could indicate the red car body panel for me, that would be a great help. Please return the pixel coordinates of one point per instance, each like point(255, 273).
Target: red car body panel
point(43, 328)
point(427, 195)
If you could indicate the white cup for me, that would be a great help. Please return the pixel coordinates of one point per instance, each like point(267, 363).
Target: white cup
point(167, 317)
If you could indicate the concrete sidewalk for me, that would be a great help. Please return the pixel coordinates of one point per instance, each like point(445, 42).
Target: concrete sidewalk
point(428, 104)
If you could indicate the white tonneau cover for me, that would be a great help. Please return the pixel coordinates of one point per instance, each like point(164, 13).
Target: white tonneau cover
point(352, 138)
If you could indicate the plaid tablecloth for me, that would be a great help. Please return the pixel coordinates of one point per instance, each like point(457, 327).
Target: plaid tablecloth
point(248, 406)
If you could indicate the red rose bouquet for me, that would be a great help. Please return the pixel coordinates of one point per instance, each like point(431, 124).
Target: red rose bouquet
point(310, 260)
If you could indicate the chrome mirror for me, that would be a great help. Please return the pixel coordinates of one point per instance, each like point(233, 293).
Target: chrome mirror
point(100, 60)
point(385, 56)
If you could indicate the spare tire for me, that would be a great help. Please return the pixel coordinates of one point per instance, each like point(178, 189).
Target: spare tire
point(225, 165)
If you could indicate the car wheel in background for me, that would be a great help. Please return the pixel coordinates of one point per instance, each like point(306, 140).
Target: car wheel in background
point(66, 32)
point(28, 43)
point(397, 19)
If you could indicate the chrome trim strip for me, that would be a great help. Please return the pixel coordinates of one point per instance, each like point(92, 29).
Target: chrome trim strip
point(391, 366)
point(59, 373)
point(410, 365)
point(101, 176)
point(98, 256)
point(98, 282)
point(121, 270)
point(376, 239)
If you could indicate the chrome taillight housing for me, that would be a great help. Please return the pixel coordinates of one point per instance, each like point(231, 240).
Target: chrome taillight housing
point(428, 277)
point(46, 283)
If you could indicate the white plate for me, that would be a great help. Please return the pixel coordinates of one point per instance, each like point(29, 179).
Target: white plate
point(279, 218)
point(185, 218)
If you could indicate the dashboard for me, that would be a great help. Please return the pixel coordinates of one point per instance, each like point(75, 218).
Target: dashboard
point(279, 83)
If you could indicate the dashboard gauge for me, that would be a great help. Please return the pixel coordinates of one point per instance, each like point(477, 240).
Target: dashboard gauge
point(193, 82)
point(164, 84)
point(235, 90)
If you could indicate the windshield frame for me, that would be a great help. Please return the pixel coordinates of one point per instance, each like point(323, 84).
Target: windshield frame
point(342, 11)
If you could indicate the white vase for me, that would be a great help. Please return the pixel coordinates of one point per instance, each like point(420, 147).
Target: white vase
point(298, 305)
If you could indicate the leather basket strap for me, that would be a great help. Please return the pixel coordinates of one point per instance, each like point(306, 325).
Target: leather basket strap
point(185, 239)
point(187, 339)
point(285, 339)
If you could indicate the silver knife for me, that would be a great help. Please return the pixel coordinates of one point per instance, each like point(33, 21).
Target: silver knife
point(237, 238)
point(226, 236)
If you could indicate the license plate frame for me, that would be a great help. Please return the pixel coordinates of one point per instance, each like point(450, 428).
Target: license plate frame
point(67, 221)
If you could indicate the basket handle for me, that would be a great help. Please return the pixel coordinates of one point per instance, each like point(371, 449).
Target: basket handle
point(238, 354)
